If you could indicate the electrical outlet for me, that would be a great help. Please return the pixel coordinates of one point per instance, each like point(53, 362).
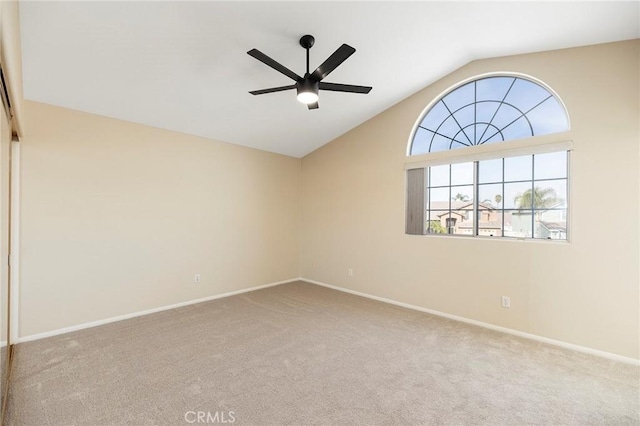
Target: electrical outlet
point(350, 272)
point(196, 279)
point(506, 302)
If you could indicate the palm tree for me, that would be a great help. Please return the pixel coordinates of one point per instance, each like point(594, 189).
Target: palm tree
point(460, 197)
point(540, 198)
point(498, 199)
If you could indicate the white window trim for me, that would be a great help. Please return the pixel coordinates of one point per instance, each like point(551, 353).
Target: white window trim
point(514, 148)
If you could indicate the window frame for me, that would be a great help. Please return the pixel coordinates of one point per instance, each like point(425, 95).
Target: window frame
point(528, 146)
point(540, 144)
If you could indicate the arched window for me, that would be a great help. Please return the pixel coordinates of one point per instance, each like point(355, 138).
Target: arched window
point(517, 191)
point(489, 110)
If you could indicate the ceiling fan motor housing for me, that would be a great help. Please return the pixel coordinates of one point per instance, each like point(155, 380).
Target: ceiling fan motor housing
point(307, 85)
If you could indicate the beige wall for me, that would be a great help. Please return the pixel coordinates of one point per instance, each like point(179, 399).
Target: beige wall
point(117, 218)
point(585, 292)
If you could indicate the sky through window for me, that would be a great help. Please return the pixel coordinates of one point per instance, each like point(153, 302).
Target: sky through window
point(489, 110)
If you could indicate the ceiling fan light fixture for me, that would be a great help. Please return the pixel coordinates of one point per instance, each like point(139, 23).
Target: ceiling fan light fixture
point(307, 91)
point(307, 97)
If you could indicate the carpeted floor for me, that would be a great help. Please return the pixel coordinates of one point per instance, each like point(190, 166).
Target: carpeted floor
point(299, 354)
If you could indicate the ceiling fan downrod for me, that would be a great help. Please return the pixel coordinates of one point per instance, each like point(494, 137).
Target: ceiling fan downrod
point(307, 41)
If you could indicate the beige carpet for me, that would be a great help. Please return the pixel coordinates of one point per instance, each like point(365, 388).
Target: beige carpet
point(299, 354)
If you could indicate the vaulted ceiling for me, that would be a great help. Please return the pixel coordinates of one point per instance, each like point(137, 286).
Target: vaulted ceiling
point(183, 66)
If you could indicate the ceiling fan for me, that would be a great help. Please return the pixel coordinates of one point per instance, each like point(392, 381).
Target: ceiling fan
point(309, 85)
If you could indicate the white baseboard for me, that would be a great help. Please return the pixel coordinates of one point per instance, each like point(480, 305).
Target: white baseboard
point(513, 332)
point(146, 312)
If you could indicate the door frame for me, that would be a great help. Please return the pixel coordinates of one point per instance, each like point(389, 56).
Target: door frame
point(14, 249)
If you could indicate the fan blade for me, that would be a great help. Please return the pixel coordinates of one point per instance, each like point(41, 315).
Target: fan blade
point(272, 90)
point(344, 88)
point(313, 105)
point(332, 62)
point(273, 64)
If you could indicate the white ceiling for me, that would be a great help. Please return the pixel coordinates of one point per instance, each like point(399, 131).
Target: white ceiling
point(183, 65)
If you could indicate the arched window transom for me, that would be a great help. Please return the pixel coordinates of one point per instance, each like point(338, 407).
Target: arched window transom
point(489, 110)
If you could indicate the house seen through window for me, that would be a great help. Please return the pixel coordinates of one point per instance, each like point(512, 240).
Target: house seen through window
point(501, 195)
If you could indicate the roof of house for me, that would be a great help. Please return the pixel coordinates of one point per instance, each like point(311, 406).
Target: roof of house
point(555, 226)
point(458, 205)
